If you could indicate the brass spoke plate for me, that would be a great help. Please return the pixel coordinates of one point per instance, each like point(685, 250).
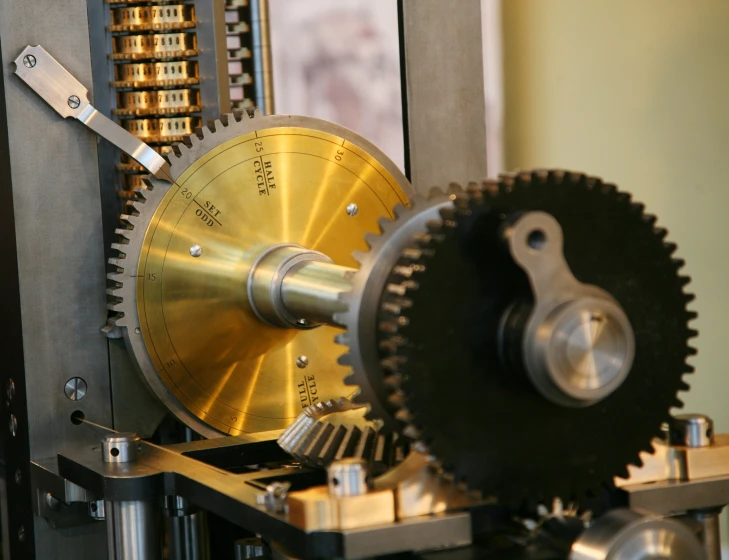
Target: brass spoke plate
point(278, 185)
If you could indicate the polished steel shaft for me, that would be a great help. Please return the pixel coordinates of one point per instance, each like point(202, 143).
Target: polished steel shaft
point(293, 287)
point(133, 530)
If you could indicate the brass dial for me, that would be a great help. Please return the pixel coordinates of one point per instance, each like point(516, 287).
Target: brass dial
point(271, 186)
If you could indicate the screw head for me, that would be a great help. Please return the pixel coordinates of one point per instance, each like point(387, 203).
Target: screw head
point(302, 361)
point(75, 389)
point(137, 330)
point(13, 425)
point(18, 476)
point(196, 250)
point(74, 102)
point(29, 61)
point(10, 389)
point(21, 533)
point(352, 209)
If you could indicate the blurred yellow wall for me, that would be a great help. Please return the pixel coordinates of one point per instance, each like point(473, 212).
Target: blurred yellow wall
point(637, 91)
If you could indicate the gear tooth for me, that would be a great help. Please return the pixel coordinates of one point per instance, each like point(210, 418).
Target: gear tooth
point(359, 256)
point(435, 192)
point(691, 315)
point(692, 333)
point(398, 211)
point(678, 264)
point(175, 150)
point(344, 360)
point(660, 233)
point(447, 213)
point(383, 222)
point(371, 238)
point(340, 318)
point(684, 281)
point(342, 339)
point(670, 247)
point(455, 188)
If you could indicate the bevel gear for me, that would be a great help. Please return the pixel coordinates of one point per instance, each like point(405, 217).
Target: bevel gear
point(483, 419)
point(368, 283)
point(336, 429)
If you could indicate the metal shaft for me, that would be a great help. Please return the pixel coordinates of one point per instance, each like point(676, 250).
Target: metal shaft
point(188, 537)
point(711, 532)
point(293, 287)
point(312, 290)
point(133, 530)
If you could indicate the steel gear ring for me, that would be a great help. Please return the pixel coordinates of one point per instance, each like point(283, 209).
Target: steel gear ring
point(186, 370)
point(488, 425)
point(360, 318)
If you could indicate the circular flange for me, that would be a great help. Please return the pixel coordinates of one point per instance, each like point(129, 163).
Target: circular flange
point(247, 183)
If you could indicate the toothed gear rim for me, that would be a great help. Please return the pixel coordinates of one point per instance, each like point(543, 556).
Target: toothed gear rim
point(488, 427)
point(368, 282)
point(122, 293)
point(314, 440)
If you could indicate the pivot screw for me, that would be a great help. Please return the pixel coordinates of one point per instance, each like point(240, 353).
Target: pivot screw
point(137, 330)
point(10, 389)
point(75, 389)
point(352, 209)
point(74, 102)
point(13, 425)
point(29, 61)
point(18, 477)
point(196, 250)
point(21, 533)
point(302, 361)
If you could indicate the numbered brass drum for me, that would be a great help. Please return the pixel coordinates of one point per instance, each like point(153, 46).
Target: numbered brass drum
point(282, 184)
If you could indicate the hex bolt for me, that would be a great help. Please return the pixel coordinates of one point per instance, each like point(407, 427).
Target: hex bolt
point(21, 533)
point(196, 250)
point(74, 102)
point(302, 361)
point(352, 209)
point(13, 425)
point(29, 61)
point(10, 390)
point(75, 389)
point(18, 477)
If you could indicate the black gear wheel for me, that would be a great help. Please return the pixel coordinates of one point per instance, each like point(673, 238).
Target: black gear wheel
point(440, 319)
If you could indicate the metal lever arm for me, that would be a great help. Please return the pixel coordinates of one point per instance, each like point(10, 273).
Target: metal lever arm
point(69, 98)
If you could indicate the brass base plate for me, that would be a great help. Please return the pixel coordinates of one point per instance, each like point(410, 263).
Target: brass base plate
point(277, 185)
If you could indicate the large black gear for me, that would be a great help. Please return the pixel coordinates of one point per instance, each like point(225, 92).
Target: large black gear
point(484, 421)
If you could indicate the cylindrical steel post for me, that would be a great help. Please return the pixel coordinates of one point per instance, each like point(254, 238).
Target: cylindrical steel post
point(188, 537)
point(710, 532)
point(133, 530)
point(261, 51)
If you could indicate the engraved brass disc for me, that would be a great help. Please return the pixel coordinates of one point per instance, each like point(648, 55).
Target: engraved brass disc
point(277, 185)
